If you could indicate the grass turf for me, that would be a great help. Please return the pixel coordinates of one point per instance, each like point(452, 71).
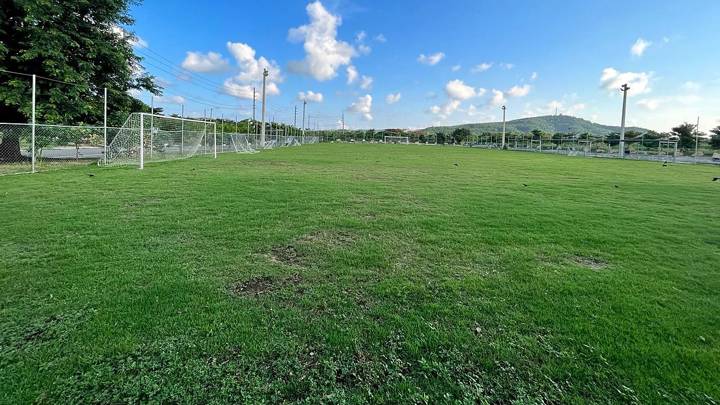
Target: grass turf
point(353, 273)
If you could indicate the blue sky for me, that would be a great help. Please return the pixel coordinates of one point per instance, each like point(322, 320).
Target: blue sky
point(411, 64)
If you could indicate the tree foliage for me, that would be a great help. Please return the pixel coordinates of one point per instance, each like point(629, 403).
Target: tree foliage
point(81, 46)
point(715, 138)
point(686, 135)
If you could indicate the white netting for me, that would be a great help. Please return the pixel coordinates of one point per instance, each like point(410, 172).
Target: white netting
point(397, 139)
point(163, 138)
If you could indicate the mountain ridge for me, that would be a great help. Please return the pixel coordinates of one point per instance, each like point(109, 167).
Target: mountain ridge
point(546, 123)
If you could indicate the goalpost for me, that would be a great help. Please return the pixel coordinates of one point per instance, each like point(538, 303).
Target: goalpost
point(397, 139)
point(151, 137)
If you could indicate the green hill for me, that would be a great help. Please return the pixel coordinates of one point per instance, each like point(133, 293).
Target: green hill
point(548, 123)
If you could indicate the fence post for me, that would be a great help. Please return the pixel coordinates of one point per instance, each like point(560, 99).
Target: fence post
point(142, 140)
point(182, 128)
point(105, 128)
point(32, 147)
point(215, 140)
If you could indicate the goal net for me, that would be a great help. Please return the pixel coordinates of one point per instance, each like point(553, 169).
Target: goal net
point(147, 138)
point(397, 139)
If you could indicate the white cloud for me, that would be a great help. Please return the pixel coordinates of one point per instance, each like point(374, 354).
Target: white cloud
point(360, 36)
point(251, 70)
point(310, 96)
point(456, 68)
point(519, 91)
point(352, 74)
point(498, 98)
point(324, 53)
point(431, 60)
point(650, 104)
point(366, 82)
point(639, 82)
point(380, 38)
point(481, 67)
point(212, 62)
point(639, 47)
point(170, 99)
point(138, 42)
point(458, 90)
point(446, 109)
point(534, 76)
point(363, 106)
point(507, 66)
point(364, 49)
point(135, 40)
point(393, 98)
point(691, 86)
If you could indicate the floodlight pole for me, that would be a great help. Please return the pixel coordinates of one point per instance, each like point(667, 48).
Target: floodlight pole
point(503, 133)
point(105, 127)
point(262, 129)
point(624, 88)
point(32, 141)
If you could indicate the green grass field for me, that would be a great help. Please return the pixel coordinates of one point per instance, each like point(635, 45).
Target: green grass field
point(354, 273)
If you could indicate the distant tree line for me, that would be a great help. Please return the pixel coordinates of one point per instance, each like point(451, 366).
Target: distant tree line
point(685, 134)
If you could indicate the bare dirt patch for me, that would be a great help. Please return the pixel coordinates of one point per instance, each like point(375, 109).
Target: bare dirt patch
point(592, 263)
point(263, 284)
point(287, 255)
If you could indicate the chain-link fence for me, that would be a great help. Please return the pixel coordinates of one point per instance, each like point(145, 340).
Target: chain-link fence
point(35, 135)
point(638, 149)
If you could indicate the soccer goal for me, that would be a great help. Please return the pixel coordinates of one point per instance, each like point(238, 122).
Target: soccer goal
point(397, 139)
point(151, 137)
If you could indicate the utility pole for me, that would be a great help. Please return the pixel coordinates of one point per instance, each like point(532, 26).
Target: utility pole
point(253, 118)
point(343, 121)
point(303, 120)
point(697, 135)
point(295, 119)
point(503, 137)
point(262, 129)
point(624, 88)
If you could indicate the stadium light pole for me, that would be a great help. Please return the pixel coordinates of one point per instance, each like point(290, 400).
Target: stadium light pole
point(262, 129)
point(503, 137)
point(624, 88)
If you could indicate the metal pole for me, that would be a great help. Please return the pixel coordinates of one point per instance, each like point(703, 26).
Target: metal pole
point(105, 128)
point(222, 132)
point(697, 134)
point(182, 129)
point(214, 134)
point(34, 81)
point(624, 89)
point(152, 123)
point(142, 141)
point(503, 133)
point(264, 105)
point(303, 121)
